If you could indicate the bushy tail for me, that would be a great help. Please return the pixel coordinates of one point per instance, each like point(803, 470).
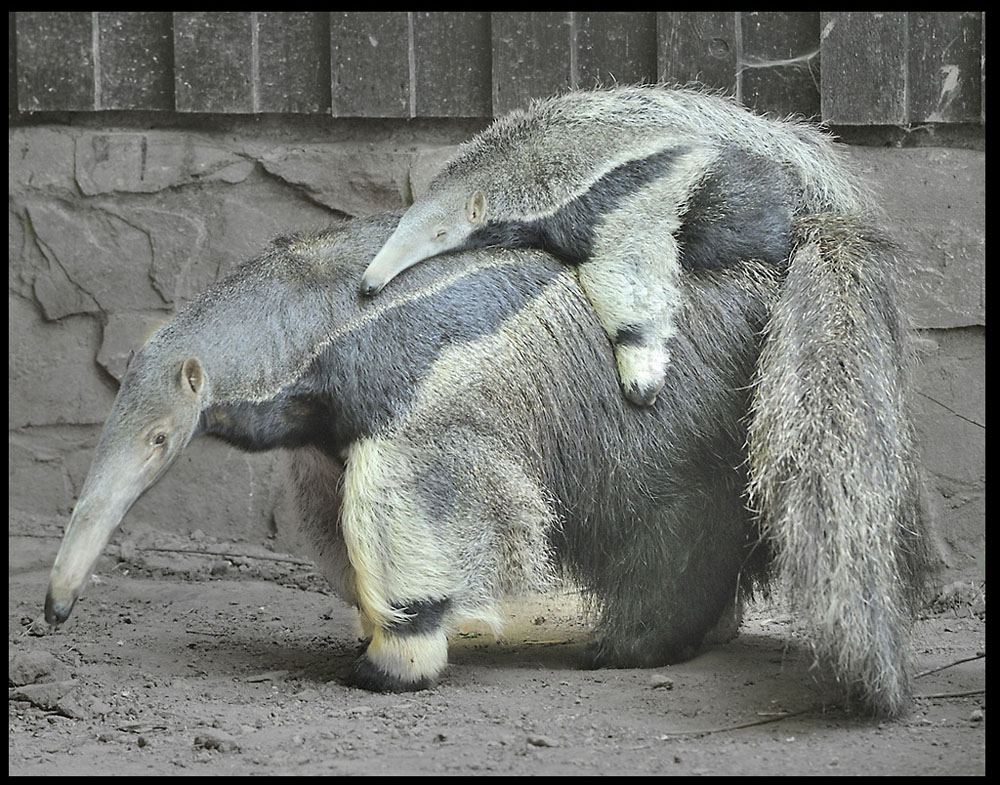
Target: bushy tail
point(832, 460)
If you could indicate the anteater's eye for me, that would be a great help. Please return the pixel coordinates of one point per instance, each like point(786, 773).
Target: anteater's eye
point(159, 439)
point(440, 233)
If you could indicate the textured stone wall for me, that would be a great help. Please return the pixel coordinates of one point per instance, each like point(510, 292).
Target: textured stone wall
point(110, 232)
point(935, 200)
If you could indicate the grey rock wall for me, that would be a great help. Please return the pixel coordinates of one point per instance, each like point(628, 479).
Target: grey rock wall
point(935, 203)
point(109, 233)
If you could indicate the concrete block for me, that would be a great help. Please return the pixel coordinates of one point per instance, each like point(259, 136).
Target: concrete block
point(350, 179)
point(149, 162)
point(950, 401)
point(97, 260)
point(40, 158)
point(38, 476)
point(50, 369)
point(934, 200)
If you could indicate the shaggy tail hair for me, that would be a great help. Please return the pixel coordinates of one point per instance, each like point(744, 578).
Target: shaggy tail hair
point(833, 474)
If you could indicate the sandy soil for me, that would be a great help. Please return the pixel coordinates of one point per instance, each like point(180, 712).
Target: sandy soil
point(181, 663)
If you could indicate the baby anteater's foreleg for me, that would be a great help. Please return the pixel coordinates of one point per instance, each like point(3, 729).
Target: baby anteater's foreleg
point(634, 293)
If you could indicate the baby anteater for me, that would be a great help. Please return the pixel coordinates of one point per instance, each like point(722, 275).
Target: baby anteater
point(630, 186)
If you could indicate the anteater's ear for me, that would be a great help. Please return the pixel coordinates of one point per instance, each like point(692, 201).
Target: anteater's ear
point(192, 377)
point(475, 210)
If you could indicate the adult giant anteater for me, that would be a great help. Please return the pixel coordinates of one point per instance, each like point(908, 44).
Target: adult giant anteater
point(463, 437)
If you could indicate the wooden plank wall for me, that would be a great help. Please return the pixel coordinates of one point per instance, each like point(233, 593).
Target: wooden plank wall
point(852, 68)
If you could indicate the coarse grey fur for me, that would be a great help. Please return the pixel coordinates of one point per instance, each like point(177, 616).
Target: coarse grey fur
point(833, 464)
point(632, 184)
point(463, 437)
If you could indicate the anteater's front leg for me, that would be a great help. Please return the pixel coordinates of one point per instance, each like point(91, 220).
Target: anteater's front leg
point(405, 574)
point(404, 655)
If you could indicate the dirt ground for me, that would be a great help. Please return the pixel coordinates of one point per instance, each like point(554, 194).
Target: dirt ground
point(177, 662)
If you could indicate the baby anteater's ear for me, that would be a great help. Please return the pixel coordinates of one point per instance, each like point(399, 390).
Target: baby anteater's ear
point(192, 378)
point(475, 209)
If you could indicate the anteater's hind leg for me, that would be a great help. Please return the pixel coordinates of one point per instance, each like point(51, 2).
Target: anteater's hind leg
point(675, 582)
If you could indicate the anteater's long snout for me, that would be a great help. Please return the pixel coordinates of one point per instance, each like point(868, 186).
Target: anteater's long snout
point(371, 286)
point(58, 608)
point(95, 519)
point(389, 262)
point(407, 246)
